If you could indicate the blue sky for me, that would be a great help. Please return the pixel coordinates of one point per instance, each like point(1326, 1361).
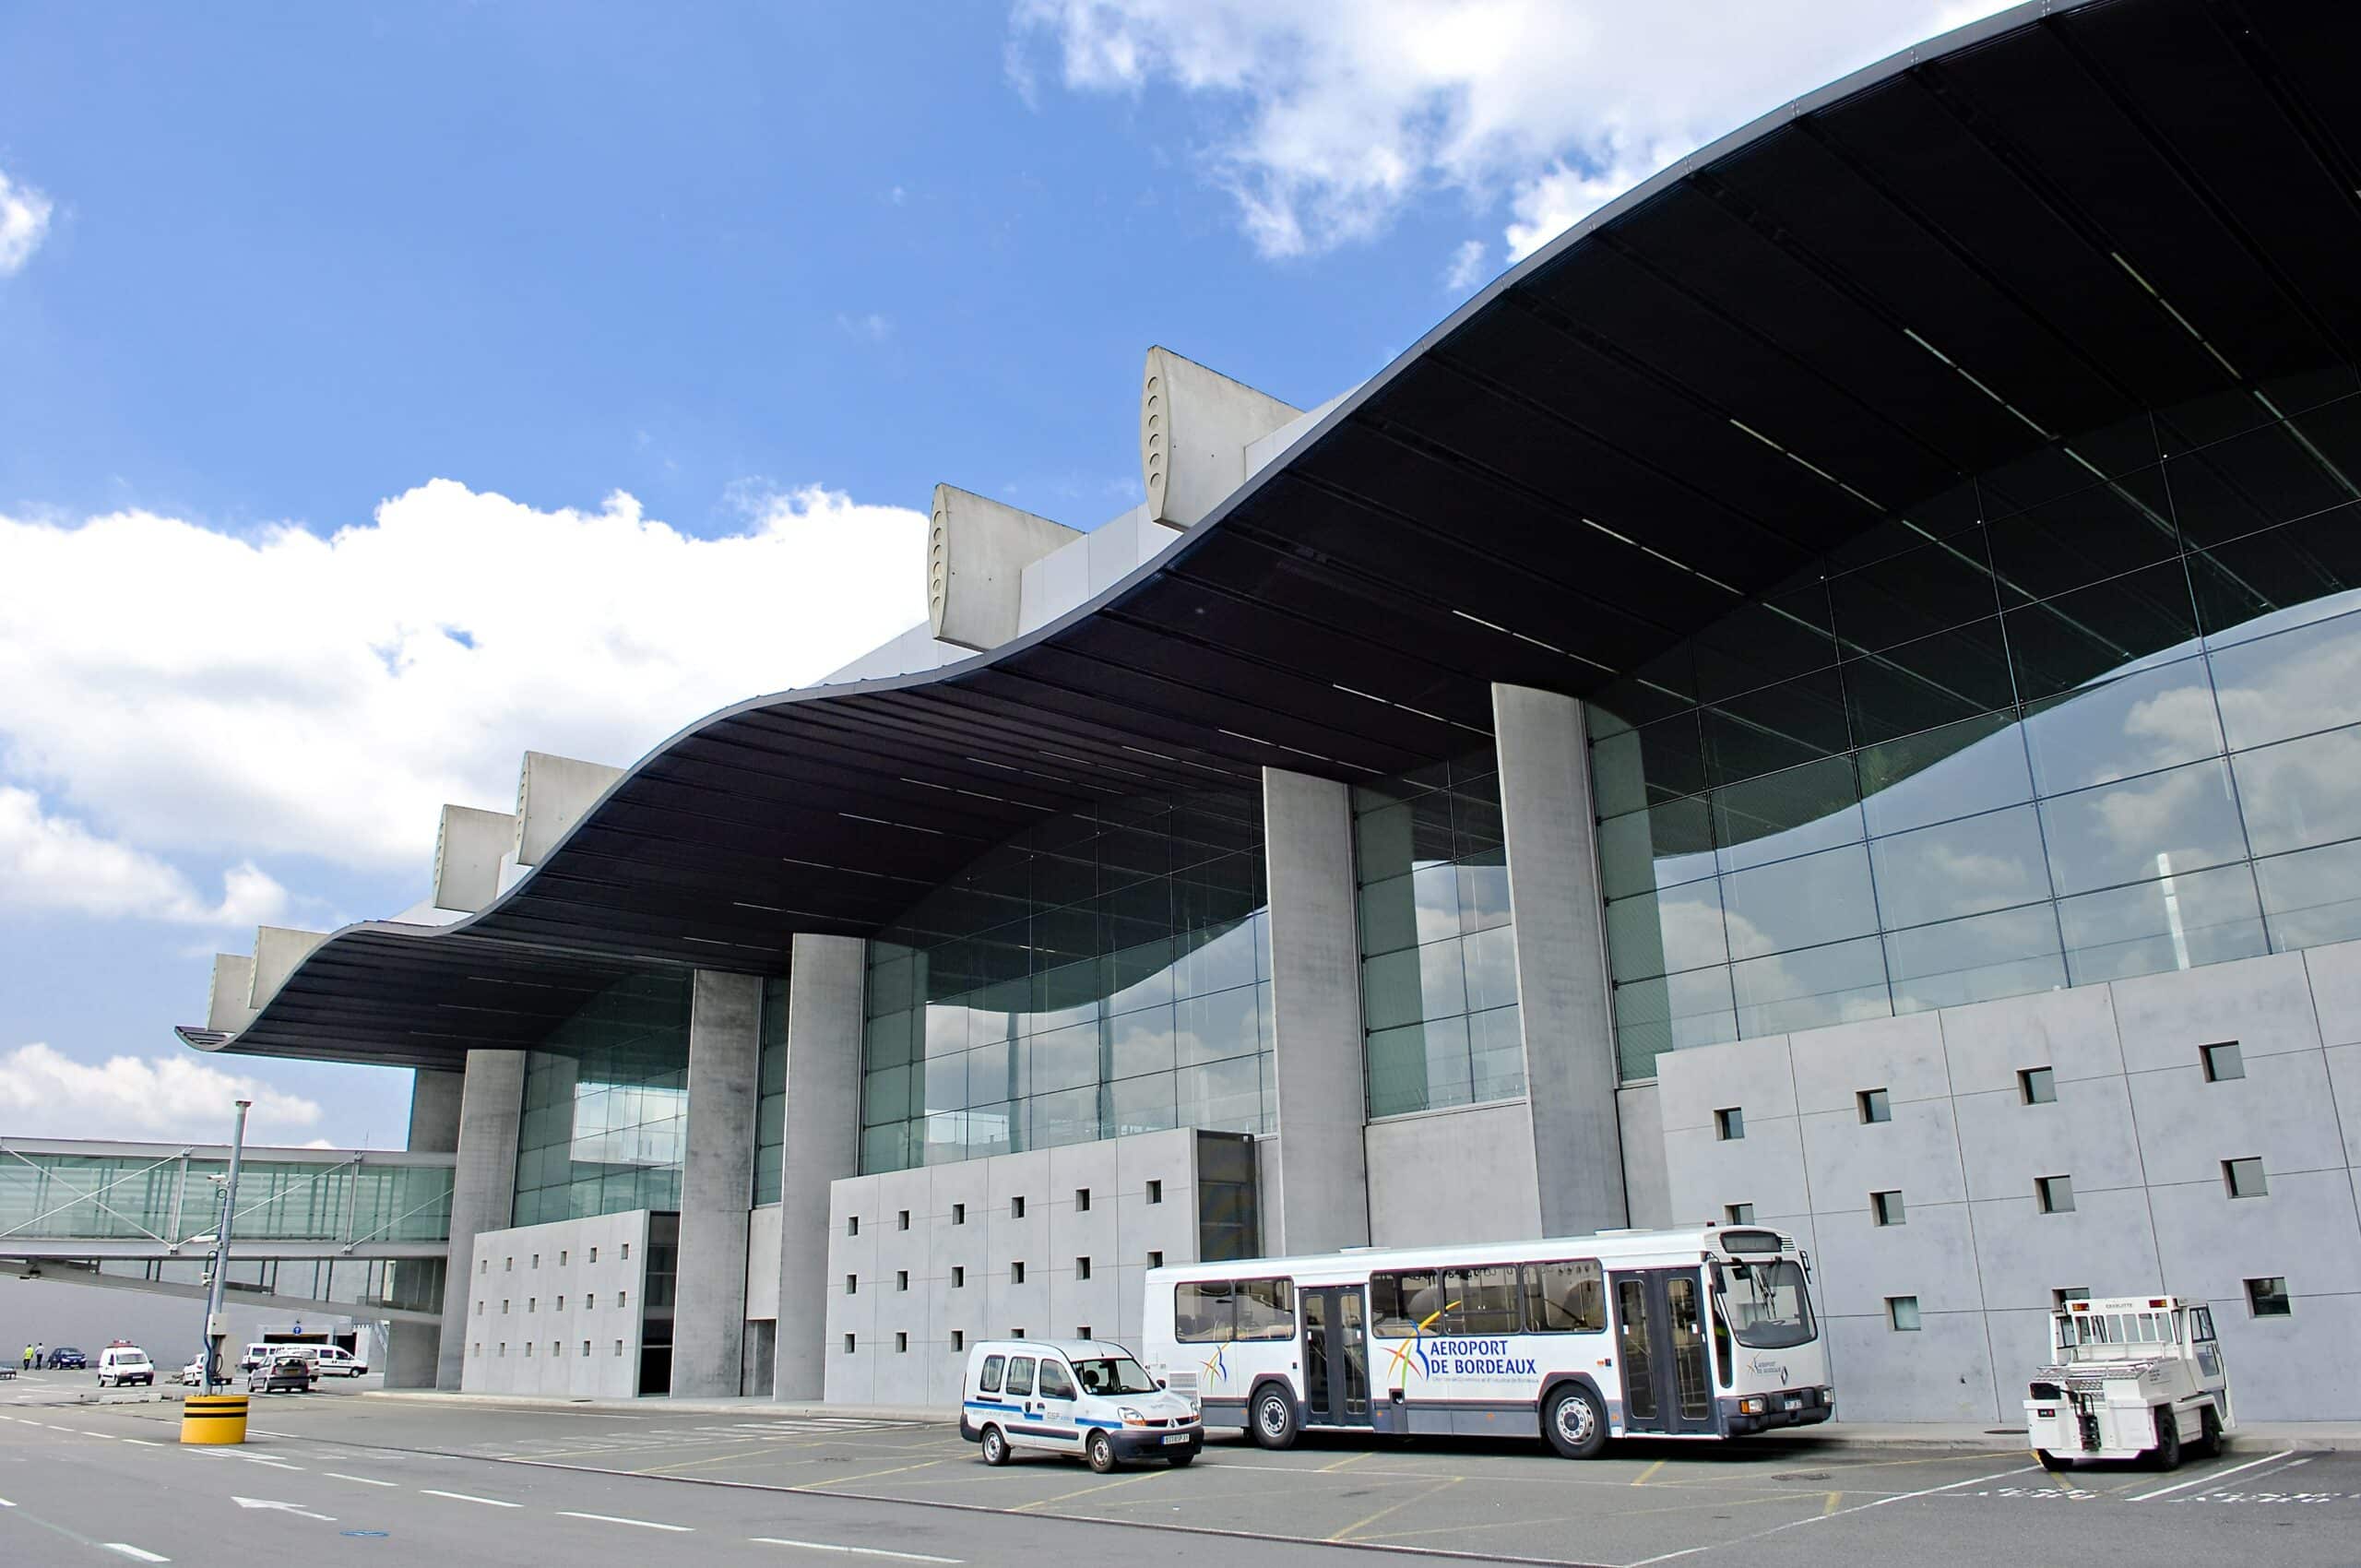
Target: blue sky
point(384, 394)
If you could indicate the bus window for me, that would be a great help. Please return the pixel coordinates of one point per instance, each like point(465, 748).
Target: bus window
point(1203, 1312)
point(1265, 1308)
point(1399, 1304)
point(1480, 1301)
point(1565, 1297)
point(1766, 1304)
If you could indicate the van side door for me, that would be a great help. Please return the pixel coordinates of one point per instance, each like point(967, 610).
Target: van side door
point(1024, 1428)
point(1056, 1395)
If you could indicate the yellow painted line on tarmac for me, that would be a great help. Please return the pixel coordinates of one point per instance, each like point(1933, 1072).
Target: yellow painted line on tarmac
point(1085, 1491)
point(1641, 1478)
point(873, 1475)
point(708, 1459)
point(1834, 1499)
point(1340, 1464)
point(1358, 1525)
point(1573, 1519)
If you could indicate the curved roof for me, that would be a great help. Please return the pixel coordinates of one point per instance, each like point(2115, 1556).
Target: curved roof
point(1949, 263)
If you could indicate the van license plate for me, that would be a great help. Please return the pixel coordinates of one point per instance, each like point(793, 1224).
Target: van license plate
point(1794, 1402)
point(1171, 1441)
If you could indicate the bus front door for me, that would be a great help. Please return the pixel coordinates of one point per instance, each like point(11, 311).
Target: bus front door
point(1660, 1338)
point(1336, 1357)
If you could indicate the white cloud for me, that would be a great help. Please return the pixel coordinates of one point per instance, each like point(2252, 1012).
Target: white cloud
point(874, 327)
point(24, 223)
point(189, 692)
point(45, 1095)
point(1466, 268)
point(1343, 110)
point(54, 864)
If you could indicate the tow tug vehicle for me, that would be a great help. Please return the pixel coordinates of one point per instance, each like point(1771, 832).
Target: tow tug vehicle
point(2135, 1377)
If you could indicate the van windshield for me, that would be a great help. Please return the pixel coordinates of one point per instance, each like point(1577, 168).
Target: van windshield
point(1113, 1374)
point(1766, 1304)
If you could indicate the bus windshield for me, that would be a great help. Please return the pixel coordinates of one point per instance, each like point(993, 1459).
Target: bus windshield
point(1766, 1304)
point(1113, 1374)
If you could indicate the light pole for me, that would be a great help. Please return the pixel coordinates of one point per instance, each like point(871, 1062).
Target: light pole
point(214, 1329)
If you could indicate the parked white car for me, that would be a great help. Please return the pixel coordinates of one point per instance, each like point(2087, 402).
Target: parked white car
point(193, 1374)
point(121, 1364)
point(1086, 1397)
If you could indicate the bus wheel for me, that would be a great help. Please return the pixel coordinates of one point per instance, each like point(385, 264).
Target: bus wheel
point(1273, 1418)
point(2167, 1452)
point(1574, 1424)
point(995, 1446)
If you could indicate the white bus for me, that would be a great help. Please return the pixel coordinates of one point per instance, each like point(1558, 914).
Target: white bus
point(1697, 1333)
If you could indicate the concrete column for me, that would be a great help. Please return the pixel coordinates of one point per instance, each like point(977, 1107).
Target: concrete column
point(411, 1352)
point(717, 1184)
point(1321, 1202)
point(1560, 959)
point(825, 975)
point(434, 1111)
point(483, 1188)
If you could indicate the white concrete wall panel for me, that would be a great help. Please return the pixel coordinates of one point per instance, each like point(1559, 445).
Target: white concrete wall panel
point(2105, 1246)
point(553, 793)
point(277, 950)
point(2335, 975)
point(2088, 1132)
point(229, 1005)
point(2263, 1004)
point(717, 1184)
point(469, 846)
point(1647, 1187)
point(1463, 1174)
point(483, 1186)
point(976, 552)
point(1195, 426)
point(1903, 1056)
point(555, 1311)
point(762, 1264)
point(1942, 1373)
point(825, 986)
point(2069, 1032)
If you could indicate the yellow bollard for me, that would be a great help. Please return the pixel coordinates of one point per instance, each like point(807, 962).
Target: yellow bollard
point(218, 1419)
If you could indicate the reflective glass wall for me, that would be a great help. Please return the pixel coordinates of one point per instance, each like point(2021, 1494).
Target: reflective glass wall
point(2090, 717)
point(1106, 973)
point(605, 1106)
point(1438, 954)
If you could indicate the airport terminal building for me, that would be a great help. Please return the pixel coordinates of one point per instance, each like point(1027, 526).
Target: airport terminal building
point(1829, 696)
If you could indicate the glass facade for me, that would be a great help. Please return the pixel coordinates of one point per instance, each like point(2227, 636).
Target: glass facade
point(1438, 951)
point(1106, 973)
point(51, 1196)
point(770, 1111)
point(605, 1106)
point(2094, 715)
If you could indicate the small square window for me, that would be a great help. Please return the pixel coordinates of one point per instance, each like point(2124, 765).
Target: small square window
point(903, 1222)
point(1876, 1105)
point(586, 1347)
point(2268, 1297)
point(532, 1303)
point(1082, 1268)
point(561, 1303)
point(1016, 1208)
point(848, 1344)
point(1886, 1207)
point(1730, 1124)
point(1016, 1274)
point(1739, 1214)
point(1082, 1200)
point(958, 1277)
point(2055, 1193)
point(478, 1309)
point(1155, 1191)
point(958, 1214)
point(626, 1251)
point(504, 1348)
point(594, 1254)
point(958, 1339)
point(853, 1284)
point(2222, 1063)
point(537, 1260)
point(590, 1298)
point(483, 1266)
point(503, 1305)
point(2065, 1293)
point(2037, 1086)
point(528, 1349)
point(477, 1348)
point(2244, 1178)
point(619, 1347)
point(901, 1279)
point(1082, 1331)
point(1155, 1260)
point(622, 1299)
point(901, 1344)
point(508, 1265)
point(852, 1225)
point(1901, 1312)
point(1017, 1334)
point(563, 1252)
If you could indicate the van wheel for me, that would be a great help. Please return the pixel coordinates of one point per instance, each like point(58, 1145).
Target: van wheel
point(1574, 1424)
point(2167, 1453)
point(2209, 1432)
point(1273, 1418)
point(1101, 1452)
point(995, 1446)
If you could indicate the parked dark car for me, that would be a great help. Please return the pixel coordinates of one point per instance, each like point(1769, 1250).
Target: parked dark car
point(285, 1374)
point(66, 1356)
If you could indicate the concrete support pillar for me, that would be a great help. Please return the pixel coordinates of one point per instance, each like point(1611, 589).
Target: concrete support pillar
point(717, 1184)
point(483, 1188)
point(1322, 1202)
point(434, 1111)
point(411, 1349)
point(1563, 995)
point(825, 975)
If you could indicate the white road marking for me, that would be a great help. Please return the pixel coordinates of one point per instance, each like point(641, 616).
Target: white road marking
point(281, 1508)
point(2201, 1480)
point(613, 1519)
point(135, 1551)
point(258, 1459)
point(364, 1481)
point(463, 1497)
point(6, 1503)
point(1824, 1518)
point(854, 1550)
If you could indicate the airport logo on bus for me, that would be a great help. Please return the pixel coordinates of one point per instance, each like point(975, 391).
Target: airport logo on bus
point(1439, 1358)
point(1217, 1366)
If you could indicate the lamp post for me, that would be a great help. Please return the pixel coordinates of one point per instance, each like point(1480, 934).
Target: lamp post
point(214, 1329)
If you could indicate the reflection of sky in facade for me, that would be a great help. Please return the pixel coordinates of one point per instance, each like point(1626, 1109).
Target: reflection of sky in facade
point(2163, 774)
point(605, 1120)
point(1104, 975)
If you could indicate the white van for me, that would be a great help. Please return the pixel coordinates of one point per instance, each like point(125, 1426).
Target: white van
point(120, 1364)
point(1088, 1398)
point(334, 1360)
